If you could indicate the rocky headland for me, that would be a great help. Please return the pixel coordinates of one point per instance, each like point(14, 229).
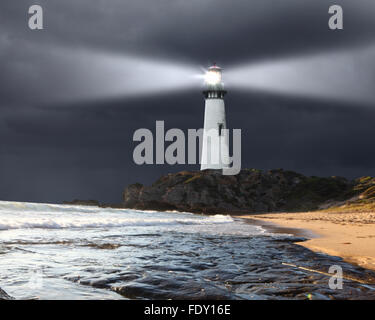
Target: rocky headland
point(251, 191)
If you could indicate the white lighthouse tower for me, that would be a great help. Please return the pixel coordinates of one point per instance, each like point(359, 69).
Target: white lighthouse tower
point(215, 147)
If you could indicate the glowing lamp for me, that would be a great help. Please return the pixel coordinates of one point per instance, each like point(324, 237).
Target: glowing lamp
point(213, 76)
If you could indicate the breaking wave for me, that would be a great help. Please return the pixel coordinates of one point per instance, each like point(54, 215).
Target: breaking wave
point(20, 215)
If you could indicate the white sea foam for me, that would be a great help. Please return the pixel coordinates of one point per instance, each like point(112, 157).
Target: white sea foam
point(20, 215)
point(71, 222)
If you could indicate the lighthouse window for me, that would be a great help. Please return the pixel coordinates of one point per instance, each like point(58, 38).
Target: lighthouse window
point(220, 129)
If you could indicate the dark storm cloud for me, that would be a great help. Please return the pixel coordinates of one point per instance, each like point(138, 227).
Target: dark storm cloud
point(191, 29)
point(86, 151)
point(66, 59)
point(233, 30)
point(53, 150)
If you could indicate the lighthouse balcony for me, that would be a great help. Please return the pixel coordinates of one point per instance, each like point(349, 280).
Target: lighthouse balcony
point(214, 94)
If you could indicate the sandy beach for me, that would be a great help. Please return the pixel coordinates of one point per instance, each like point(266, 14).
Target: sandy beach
point(347, 235)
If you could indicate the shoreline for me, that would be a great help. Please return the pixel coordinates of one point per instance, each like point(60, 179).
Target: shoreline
point(350, 236)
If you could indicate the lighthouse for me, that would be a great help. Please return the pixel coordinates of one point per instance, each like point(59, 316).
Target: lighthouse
point(215, 146)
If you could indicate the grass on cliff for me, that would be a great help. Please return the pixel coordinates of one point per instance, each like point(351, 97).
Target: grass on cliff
point(362, 200)
point(313, 191)
point(352, 207)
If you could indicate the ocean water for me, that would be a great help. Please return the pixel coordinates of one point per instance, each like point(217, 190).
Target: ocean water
point(75, 252)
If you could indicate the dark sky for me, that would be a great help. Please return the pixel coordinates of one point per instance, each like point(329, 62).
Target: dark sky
point(72, 95)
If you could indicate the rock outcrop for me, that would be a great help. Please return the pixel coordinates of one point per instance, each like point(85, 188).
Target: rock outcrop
point(251, 191)
point(4, 295)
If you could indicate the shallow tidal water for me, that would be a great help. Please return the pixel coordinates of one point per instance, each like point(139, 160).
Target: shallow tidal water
point(74, 252)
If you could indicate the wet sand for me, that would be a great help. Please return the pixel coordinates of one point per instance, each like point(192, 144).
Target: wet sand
point(350, 236)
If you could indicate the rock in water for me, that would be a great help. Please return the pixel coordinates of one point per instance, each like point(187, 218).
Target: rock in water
point(4, 295)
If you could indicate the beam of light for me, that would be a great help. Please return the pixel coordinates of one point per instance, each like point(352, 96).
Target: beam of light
point(346, 76)
point(67, 75)
point(105, 75)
